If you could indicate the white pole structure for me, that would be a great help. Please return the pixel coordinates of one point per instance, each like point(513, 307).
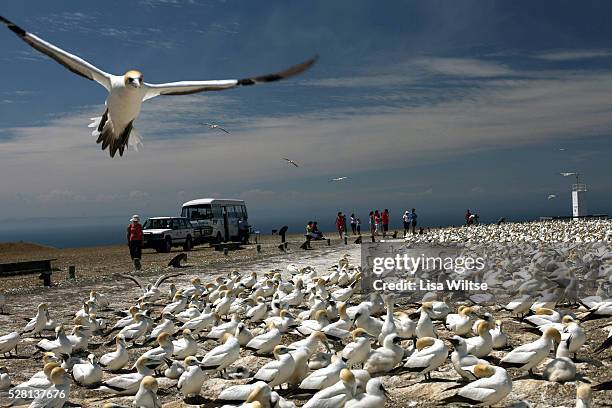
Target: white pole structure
point(579, 206)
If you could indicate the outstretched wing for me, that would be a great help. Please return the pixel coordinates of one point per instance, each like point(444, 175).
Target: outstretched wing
point(136, 281)
point(165, 276)
point(72, 62)
point(189, 87)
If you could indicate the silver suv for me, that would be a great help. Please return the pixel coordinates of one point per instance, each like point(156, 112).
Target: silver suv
point(163, 233)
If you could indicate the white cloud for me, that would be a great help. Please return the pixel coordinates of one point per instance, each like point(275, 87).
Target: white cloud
point(58, 196)
point(570, 55)
point(184, 157)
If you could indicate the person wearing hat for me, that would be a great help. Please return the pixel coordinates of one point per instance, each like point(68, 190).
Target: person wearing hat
point(134, 237)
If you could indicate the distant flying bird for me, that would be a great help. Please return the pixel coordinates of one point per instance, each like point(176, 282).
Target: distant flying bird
point(562, 149)
point(215, 126)
point(290, 161)
point(339, 178)
point(568, 174)
point(551, 196)
point(115, 128)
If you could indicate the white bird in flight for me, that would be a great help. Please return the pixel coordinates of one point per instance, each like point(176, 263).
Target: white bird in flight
point(551, 196)
point(567, 174)
point(290, 161)
point(216, 126)
point(115, 128)
point(339, 178)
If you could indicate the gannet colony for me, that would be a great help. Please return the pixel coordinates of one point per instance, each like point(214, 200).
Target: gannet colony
point(308, 336)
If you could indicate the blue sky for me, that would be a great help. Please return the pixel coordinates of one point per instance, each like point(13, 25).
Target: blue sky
point(438, 105)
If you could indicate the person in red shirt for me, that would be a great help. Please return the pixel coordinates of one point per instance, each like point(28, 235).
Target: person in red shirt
point(340, 224)
point(385, 221)
point(134, 238)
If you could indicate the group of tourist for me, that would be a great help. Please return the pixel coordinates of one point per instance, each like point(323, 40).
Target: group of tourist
point(378, 221)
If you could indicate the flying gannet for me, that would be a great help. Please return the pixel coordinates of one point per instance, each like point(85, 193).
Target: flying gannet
point(115, 128)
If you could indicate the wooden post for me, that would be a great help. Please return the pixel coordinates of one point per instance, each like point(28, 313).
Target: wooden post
point(258, 248)
point(328, 242)
point(225, 251)
point(72, 272)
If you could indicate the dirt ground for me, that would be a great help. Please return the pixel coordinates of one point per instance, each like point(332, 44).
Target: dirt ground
point(97, 269)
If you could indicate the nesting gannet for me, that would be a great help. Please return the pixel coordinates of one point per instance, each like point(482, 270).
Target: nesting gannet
point(87, 374)
point(56, 395)
point(375, 396)
point(324, 377)
point(364, 320)
point(425, 327)
point(574, 334)
point(460, 358)
point(191, 381)
point(265, 343)
point(600, 310)
point(185, 346)
point(461, 322)
point(312, 342)
point(584, 396)
point(115, 129)
point(201, 323)
point(136, 330)
point(258, 312)
point(481, 345)
point(174, 370)
point(127, 384)
point(9, 342)
point(561, 368)
point(357, 351)
point(498, 336)
point(117, 359)
point(5, 379)
point(385, 358)
point(543, 316)
point(146, 397)
point(492, 386)
point(527, 356)
point(336, 395)
point(220, 357)
point(60, 346)
point(278, 371)
point(79, 338)
point(37, 324)
point(430, 354)
point(217, 332)
point(521, 305)
point(405, 326)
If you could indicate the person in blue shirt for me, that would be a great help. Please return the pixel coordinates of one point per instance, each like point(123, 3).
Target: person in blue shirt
point(413, 220)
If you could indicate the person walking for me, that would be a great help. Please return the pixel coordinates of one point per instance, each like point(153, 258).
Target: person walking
point(134, 238)
point(372, 223)
point(468, 217)
point(353, 224)
point(358, 226)
point(406, 220)
point(413, 220)
point(385, 222)
point(340, 224)
point(377, 222)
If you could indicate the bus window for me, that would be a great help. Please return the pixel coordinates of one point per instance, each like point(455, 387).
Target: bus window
point(217, 211)
point(244, 211)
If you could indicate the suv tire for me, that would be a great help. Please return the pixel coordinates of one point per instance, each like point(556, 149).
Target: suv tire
point(188, 243)
point(167, 246)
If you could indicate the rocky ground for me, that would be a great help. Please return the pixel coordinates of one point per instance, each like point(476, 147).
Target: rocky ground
point(97, 269)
